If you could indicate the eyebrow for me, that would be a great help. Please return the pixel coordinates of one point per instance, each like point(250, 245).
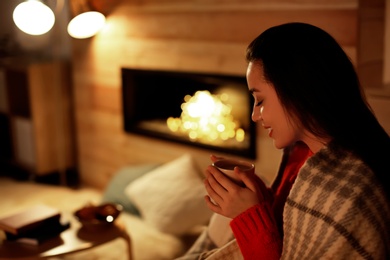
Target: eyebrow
point(253, 90)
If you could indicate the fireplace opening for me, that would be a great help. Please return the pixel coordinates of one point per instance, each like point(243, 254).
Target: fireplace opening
point(211, 111)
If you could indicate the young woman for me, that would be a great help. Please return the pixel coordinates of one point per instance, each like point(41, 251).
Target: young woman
point(330, 199)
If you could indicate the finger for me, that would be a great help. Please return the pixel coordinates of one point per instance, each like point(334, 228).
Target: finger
point(213, 189)
point(249, 179)
point(211, 205)
point(225, 182)
point(253, 182)
point(214, 158)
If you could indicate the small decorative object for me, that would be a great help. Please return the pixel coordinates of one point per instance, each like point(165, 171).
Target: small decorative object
point(98, 215)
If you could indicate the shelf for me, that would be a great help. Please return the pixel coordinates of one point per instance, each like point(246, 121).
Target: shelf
point(36, 116)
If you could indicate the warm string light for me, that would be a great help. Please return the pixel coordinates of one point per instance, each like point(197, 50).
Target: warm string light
point(205, 117)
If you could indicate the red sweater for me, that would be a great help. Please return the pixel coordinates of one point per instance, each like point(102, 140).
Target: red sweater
point(259, 230)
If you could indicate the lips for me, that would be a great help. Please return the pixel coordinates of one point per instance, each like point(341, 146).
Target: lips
point(269, 129)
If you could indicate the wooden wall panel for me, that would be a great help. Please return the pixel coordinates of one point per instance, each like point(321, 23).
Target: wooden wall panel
point(371, 42)
point(52, 111)
point(191, 35)
point(228, 26)
point(381, 106)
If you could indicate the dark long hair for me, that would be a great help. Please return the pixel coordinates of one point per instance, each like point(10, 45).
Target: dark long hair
point(317, 83)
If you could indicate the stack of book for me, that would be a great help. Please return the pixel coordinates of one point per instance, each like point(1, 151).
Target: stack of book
point(33, 225)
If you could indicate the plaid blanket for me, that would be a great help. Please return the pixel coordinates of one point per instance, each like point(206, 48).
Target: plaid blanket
point(336, 210)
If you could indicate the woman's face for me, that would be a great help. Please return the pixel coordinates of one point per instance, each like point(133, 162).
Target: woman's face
point(268, 110)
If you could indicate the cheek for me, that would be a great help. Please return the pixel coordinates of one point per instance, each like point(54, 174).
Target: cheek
point(286, 132)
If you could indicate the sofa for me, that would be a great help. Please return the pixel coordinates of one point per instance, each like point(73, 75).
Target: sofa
point(163, 207)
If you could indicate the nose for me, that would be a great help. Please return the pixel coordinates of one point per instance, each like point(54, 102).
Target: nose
point(256, 115)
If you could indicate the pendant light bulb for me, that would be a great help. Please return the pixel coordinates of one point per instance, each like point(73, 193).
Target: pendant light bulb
point(33, 17)
point(86, 25)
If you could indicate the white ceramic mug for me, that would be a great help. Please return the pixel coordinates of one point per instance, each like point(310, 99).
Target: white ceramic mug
point(227, 167)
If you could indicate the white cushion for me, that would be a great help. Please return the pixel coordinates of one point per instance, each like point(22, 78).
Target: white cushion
point(171, 197)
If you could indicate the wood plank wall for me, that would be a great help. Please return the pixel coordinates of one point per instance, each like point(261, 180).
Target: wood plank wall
point(188, 35)
point(371, 39)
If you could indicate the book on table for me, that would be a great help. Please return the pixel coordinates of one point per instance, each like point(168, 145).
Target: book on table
point(33, 225)
point(28, 219)
point(40, 234)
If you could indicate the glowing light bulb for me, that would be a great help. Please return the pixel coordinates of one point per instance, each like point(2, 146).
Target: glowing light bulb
point(33, 17)
point(86, 25)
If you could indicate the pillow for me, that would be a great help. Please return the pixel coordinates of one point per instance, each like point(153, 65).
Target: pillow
point(115, 190)
point(171, 197)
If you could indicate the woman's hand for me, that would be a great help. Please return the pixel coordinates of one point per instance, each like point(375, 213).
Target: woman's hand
point(229, 199)
point(215, 158)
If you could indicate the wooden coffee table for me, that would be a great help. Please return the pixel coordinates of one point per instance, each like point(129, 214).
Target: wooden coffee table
point(75, 239)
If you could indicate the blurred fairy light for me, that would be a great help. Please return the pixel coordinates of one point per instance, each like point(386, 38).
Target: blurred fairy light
point(207, 118)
